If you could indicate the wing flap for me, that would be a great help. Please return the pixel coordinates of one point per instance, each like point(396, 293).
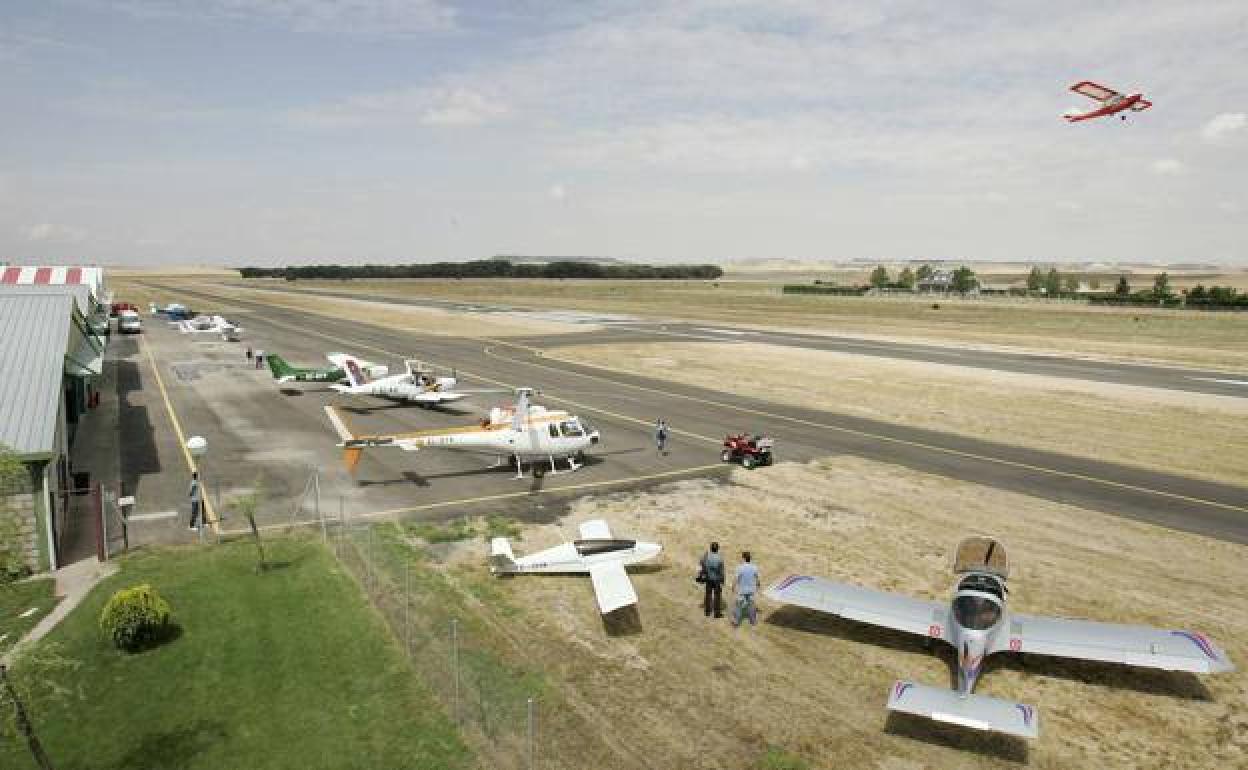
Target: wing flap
point(612, 587)
point(1094, 91)
point(978, 712)
point(1143, 646)
point(595, 529)
point(866, 605)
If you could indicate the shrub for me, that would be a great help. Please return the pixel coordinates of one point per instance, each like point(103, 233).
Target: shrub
point(135, 618)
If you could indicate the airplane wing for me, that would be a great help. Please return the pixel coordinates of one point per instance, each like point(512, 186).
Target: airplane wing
point(866, 605)
point(612, 587)
point(1114, 643)
point(437, 397)
point(339, 361)
point(595, 529)
point(1141, 105)
point(1094, 91)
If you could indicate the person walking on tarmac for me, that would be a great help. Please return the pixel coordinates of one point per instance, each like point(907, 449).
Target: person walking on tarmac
point(712, 573)
point(660, 434)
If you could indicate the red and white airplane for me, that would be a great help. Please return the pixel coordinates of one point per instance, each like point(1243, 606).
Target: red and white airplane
point(1111, 101)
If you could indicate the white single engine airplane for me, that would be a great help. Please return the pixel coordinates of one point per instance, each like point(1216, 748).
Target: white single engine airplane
point(1112, 102)
point(523, 432)
point(417, 384)
point(977, 623)
point(209, 324)
point(597, 552)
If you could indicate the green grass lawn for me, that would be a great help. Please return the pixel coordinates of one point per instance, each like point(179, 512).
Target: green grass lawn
point(16, 598)
point(286, 669)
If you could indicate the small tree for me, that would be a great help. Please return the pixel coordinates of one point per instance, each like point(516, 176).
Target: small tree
point(1196, 292)
point(879, 277)
point(1123, 289)
point(1072, 283)
point(1052, 282)
point(1161, 285)
point(964, 279)
point(247, 506)
point(924, 272)
point(1035, 280)
point(906, 278)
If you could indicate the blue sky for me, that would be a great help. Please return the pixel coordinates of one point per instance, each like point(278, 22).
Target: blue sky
point(275, 131)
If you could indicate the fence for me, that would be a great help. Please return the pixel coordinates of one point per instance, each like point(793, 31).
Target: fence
point(475, 665)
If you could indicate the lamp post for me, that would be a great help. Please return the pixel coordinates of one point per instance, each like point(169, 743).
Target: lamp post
point(197, 446)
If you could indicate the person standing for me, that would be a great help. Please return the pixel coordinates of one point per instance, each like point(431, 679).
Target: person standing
point(660, 434)
point(745, 586)
point(713, 579)
point(249, 354)
point(196, 494)
point(259, 358)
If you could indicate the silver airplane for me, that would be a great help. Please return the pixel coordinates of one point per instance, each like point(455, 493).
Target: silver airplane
point(977, 623)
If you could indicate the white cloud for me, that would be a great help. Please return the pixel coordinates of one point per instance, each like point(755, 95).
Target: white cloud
point(370, 18)
point(1168, 167)
point(455, 107)
point(1224, 125)
point(557, 192)
point(47, 232)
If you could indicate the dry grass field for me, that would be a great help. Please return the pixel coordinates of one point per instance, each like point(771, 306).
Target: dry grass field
point(674, 689)
point(1218, 340)
point(1198, 435)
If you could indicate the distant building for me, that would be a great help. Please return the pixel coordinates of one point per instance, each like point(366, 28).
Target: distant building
point(939, 282)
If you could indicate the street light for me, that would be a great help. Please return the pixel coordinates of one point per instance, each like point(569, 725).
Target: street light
point(197, 446)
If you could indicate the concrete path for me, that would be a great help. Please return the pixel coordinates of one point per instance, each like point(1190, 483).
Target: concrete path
point(73, 583)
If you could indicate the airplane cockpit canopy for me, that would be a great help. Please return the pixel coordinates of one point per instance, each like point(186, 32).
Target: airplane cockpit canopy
point(977, 581)
point(978, 613)
point(599, 545)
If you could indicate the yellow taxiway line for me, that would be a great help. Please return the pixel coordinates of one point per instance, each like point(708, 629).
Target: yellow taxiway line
point(210, 516)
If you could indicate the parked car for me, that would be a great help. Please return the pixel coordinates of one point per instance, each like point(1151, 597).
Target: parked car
point(128, 322)
point(117, 308)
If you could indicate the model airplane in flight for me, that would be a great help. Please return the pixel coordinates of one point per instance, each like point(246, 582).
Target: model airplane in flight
point(977, 623)
point(284, 372)
point(1111, 101)
point(525, 432)
point(210, 324)
point(418, 384)
point(597, 552)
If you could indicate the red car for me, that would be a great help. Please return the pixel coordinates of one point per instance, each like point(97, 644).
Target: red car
point(747, 450)
point(117, 307)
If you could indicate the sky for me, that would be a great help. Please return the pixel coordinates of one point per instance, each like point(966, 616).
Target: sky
point(262, 132)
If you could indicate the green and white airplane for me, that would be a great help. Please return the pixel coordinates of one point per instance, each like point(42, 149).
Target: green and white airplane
point(284, 372)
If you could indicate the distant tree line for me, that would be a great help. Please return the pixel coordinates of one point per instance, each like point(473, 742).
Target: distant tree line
point(489, 268)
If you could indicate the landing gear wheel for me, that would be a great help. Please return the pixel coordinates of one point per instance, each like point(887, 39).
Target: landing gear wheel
point(748, 461)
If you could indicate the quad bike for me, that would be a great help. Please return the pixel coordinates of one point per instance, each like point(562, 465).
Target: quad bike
point(747, 450)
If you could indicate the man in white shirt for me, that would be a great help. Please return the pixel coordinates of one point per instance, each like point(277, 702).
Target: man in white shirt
point(745, 585)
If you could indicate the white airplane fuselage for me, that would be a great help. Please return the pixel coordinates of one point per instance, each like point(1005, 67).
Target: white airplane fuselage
point(568, 558)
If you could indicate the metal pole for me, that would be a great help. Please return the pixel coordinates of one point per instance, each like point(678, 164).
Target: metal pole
point(455, 665)
point(203, 509)
point(370, 558)
point(324, 531)
point(407, 605)
point(532, 731)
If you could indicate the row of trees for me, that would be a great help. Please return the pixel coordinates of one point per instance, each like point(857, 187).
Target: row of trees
point(489, 268)
point(962, 280)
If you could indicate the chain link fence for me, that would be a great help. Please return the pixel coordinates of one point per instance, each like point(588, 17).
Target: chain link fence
point(475, 663)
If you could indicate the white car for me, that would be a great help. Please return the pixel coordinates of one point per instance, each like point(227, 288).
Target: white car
point(128, 322)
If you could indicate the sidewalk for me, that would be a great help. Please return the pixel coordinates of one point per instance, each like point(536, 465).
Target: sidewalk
point(73, 583)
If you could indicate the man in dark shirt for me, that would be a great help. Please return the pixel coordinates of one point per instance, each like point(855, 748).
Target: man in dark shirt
point(713, 570)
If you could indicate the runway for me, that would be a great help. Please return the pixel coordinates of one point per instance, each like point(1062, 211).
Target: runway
point(625, 407)
point(625, 329)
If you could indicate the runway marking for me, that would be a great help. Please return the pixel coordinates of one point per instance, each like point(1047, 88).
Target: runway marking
point(762, 413)
point(499, 496)
point(877, 436)
point(210, 515)
point(1224, 382)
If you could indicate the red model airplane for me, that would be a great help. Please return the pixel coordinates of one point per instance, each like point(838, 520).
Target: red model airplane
point(1111, 101)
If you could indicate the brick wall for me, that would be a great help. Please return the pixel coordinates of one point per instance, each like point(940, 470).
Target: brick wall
point(18, 520)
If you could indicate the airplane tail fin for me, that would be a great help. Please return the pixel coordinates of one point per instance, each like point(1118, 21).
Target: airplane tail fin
point(501, 557)
point(355, 375)
point(978, 712)
point(282, 371)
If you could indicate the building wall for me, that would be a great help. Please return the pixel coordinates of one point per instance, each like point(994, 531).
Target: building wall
point(20, 518)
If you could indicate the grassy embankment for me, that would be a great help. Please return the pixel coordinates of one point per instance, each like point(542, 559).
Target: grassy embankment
point(288, 668)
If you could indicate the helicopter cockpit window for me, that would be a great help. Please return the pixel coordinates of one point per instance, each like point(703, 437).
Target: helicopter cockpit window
point(572, 429)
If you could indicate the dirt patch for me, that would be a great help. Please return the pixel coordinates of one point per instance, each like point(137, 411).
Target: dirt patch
point(691, 692)
point(1191, 433)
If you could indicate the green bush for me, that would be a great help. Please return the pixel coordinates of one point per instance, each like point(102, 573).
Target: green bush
point(135, 618)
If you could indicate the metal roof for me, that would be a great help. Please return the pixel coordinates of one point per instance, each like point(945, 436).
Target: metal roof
point(79, 291)
point(34, 335)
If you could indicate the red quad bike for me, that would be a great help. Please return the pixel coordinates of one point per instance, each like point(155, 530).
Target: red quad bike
point(748, 450)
